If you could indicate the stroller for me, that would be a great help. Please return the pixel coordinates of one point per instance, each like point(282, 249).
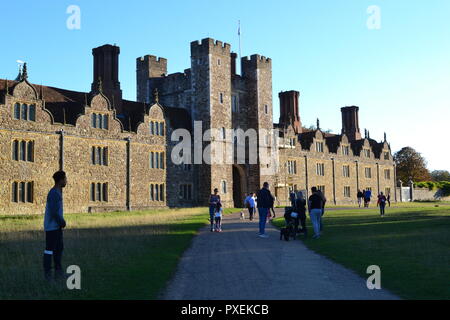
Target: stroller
point(291, 229)
point(292, 219)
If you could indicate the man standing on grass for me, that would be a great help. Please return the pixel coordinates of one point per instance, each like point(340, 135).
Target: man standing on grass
point(382, 203)
point(315, 206)
point(265, 202)
point(53, 224)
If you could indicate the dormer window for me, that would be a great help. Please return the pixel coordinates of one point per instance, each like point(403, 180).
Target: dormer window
point(24, 112)
point(367, 153)
point(386, 156)
point(319, 146)
point(345, 150)
point(99, 121)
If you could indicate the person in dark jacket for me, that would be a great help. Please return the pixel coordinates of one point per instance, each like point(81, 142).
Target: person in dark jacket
point(265, 202)
point(300, 208)
point(360, 196)
point(53, 224)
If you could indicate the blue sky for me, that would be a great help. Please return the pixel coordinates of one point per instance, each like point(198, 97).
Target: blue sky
point(399, 75)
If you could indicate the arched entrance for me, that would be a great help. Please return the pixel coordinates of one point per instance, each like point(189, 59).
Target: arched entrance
point(239, 186)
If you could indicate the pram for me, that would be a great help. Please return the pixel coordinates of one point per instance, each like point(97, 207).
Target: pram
point(292, 220)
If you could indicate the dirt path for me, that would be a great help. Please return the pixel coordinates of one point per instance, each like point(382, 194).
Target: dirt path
point(237, 264)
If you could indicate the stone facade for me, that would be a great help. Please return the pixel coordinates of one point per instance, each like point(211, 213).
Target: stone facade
point(118, 153)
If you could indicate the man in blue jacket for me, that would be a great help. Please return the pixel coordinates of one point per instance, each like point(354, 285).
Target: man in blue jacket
point(53, 224)
point(264, 202)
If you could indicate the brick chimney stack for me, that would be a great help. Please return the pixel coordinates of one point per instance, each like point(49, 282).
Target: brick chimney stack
point(350, 122)
point(289, 114)
point(106, 68)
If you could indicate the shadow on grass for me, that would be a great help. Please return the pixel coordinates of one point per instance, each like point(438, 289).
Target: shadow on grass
point(132, 262)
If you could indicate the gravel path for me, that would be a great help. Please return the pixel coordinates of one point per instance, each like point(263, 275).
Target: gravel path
point(238, 265)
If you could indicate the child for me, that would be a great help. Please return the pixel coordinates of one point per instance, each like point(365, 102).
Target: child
point(218, 217)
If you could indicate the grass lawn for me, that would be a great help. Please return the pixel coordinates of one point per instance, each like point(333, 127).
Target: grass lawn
point(122, 255)
point(411, 244)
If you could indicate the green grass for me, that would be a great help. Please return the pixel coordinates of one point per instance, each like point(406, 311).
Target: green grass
point(411, 245)
point(122, 255)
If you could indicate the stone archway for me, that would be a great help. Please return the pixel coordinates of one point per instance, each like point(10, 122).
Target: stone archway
point(239, 186)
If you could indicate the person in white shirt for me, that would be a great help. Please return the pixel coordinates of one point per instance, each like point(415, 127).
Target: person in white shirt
point(218, 212)
point(250, 203)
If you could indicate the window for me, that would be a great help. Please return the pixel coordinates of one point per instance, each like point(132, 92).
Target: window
point(386, 156)
point(224, 133)
point(15, 150)
point(99, 192)
point(347, 192)
point(24, 112)
point(387, 174)
point(94, 120)
point(22, 191)
point(235, 103)
point(319, 146)
point(346, 171)
point(152, 160)
point(152, 128)
point(266, 109)
point(218, 62)
point(99, 155)
point(32, 113)
point(17, 111)
point(156, 129)
point(156, 193)
point(99, 121)
point(292, 167)
point(224, 186)
point(187, 167)
point(161, 192)
point(22, 150)
point(368, 172)
point(221, 97)
point(367, 153)
point(161, 160)
point(345, 150)
point(161, 128)
point(152, 193)
point(186, 191)
point(320, 169)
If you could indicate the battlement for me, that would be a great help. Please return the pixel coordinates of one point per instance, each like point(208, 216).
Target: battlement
point(256, 58)
point(152, 59)
point(209, 45)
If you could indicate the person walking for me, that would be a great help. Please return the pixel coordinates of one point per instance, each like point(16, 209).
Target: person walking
point(300, 208)
point(54, 224)
point(360, 196)
point(218, 213)
point(214, 199)
point(250, 204)
point(367, 196)
point(315, 211)
point(265, 202)
point(324, 200)
point(382, 203)
point(389, 199)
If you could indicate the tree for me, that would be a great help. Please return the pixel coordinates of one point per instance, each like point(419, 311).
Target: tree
point(411, 164)
point(440, 175)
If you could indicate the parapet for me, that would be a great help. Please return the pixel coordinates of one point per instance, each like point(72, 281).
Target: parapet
point(153, 59)
point(209, 45)
point(256, 61)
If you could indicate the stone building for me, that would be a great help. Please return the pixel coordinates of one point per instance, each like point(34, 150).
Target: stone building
point(213, 92)
point(114, 161)
point(118, 153)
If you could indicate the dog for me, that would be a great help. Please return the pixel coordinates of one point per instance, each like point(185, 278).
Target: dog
point(242, 215)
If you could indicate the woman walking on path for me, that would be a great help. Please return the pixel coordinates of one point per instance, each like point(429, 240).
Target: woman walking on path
point(214, 199)
point(315, 211)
